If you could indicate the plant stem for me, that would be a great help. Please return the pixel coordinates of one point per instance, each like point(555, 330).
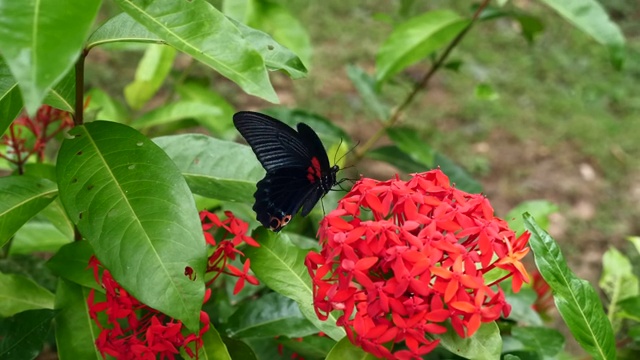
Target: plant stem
point(78, 116)
point(399, 110)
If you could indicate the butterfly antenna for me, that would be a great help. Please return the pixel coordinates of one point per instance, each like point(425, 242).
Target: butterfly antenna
point(347, 153)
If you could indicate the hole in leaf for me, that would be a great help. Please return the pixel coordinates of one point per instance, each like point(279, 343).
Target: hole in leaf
point(188, 272)
point(90, 187)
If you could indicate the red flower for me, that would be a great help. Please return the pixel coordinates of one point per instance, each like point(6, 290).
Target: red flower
point(135, 331)
point(400, 258)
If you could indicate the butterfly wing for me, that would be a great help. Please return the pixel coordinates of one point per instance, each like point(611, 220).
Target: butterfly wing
point(275, 144)
point(281, 194)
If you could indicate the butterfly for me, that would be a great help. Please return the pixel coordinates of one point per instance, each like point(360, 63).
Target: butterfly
point(298, 170)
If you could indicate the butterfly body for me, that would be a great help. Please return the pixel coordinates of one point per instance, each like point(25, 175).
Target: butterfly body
point(298, 171)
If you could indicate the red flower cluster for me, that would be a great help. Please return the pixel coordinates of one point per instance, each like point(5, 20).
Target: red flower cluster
point(21, 145)
point(400, 258)
point(135, 331)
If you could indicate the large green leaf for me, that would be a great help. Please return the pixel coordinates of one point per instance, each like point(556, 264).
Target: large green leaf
point(71, 263)
point(545, 341)
point(198, 29)
point(41, 41)
point(214, 168)
point(576, 299)
point(63, 94)
point(485, 344)
point(409, 141)
point(10, 99)
point(21, 197)
point(19, 293)
point(22, 336)
point(269, 316)
point(76, 333)
point(416, 38)
point(121, 28)
point(176, 111)
point(129, 200)
point(590, 17)
point(151, 72)
point(280, 265)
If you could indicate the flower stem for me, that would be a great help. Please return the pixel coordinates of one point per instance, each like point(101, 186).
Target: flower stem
point(399, 110)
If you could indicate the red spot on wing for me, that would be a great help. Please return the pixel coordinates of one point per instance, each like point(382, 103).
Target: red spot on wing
point(314, 171)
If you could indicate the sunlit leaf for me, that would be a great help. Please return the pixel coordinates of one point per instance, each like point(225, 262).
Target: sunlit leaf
point(211, 38)
point(151, 72)
point(576, 299)
point(366, 86)
point(120, 28)
point(130, 201)
point(539, 209)
point(617, 281)
point(19, 293)
point(76, 332)
point(10, 98)
point(545, 341)
point(41, 41)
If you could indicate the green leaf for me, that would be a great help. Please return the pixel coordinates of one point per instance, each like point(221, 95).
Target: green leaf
point(10, 99)
point(219, 122)
point(151, 72)
point(105, 107)
point(539, 209)
point(41, 41)
point(71, 263)
point(530, 26)
point(38, 235)
point(19, 293)
point(366, 86)
point(21, 197)
point(280, 265)
point(408, 141)
point(484, 344)
point(393, 155)
point(486, 92)
point(345, 350)
point(214, 168)
point(591, 18)
point(76, 332)
point(576, 300)
point(176, 111)
point(309, 347)
point(276, 56)
point(212, 39)
point(213, 346)
point(129, 200)
point(521, 305)
point(618, 282)
point(121, 28)
point(270, 315)
point(635, 240)
point(22, 336)
point(63, 94)
point(416, 38)
point(543, 340)
point(630, 308)
point(239, 349)
point(285, 28)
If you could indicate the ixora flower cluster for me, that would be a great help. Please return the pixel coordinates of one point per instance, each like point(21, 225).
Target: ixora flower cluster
point(399, 258)
point(132, 330)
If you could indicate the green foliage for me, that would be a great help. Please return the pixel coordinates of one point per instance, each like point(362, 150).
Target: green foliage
point(105, 188)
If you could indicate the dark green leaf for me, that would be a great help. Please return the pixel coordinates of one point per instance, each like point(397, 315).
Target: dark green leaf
point(214, 168)
point(309, 347)
point(76, 332)
point(19, 293)
point(415, 39)
point(238, 349)
point(276, 56)
point(130, 201)
point(22, 197)
point(212, 39)
point(630, 308)
point(31, 42)
point(521, 305)
point(530, 26)
point(393, 155)
point(10, 99)
point(575, 298)
point(269, 316)
point(547, 342)
point(409, 141)
point(71, 263)
point(22, 336)
point(366, 86)
point(345, 350)
point(484, 344)
point(151, 72)
point(280, 265)
point(590, 17)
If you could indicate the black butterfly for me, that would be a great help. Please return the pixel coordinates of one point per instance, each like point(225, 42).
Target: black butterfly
point(298, 170)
